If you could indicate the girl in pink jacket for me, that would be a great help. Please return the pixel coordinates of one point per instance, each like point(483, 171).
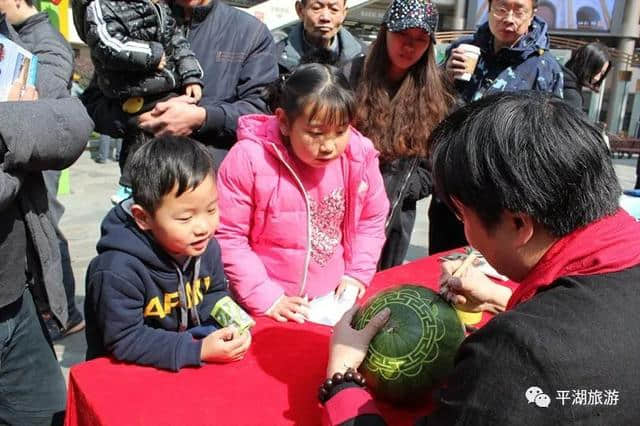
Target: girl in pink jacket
point(302, 200)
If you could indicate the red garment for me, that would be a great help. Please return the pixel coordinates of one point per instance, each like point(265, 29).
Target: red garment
point(608, 245)
point(340, 410)
point(275, 383)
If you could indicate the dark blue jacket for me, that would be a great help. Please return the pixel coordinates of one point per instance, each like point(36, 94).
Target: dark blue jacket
point(292, 48)
point(238, 57)
point(526, 66)
point(133, 295)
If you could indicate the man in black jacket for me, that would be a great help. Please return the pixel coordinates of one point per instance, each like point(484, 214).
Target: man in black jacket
point(31, 383)
point(237, 55)
point(538, 196)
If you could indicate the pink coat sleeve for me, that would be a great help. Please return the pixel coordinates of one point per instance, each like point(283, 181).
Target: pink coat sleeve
point(369, 235)
point(247, 275)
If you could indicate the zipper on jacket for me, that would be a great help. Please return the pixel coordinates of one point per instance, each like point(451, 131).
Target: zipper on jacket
point(307, 259)
point(400, 196)
point(349, 218)
point(158, 12)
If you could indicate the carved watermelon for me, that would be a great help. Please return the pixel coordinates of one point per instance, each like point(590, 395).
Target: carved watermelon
point(416, 347)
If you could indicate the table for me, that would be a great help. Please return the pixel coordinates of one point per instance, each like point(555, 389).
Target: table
point(275, 384)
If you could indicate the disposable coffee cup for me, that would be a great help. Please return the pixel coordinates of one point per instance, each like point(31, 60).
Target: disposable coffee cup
point(471, 54)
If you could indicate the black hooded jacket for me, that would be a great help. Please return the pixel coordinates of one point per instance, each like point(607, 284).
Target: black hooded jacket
point(133, 293)
point(127, 41)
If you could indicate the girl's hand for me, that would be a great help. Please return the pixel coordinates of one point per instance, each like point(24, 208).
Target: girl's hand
point(225, 345)
point(473, 291)
point(348, 281)
point(290, 308)
point(349, 346)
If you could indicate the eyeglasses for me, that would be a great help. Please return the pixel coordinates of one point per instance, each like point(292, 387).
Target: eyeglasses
point(502, 13)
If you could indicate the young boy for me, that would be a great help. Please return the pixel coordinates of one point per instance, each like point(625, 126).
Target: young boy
point(141, 57)
point(158, 273)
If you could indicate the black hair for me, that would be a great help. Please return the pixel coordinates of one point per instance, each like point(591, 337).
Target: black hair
point(164, 162)
point(525, 152)
point(587, 61)
point(321, 87)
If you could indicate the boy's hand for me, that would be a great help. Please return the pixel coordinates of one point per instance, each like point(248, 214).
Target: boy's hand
point(163, 62)
point(225, 345)
point(473, 291)
point(290, 308)
point(346, 282)
point(193, 91)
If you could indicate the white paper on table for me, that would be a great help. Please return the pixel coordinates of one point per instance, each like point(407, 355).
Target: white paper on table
point(328, 309)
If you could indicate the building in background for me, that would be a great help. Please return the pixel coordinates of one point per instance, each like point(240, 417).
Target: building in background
point(612, 22)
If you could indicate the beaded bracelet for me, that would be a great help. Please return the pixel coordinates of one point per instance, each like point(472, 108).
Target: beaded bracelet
point(351, 375)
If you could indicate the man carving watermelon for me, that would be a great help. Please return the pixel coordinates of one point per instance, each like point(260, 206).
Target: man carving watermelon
point(533, 184)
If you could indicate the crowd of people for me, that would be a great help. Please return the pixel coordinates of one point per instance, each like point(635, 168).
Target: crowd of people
point(277, 168)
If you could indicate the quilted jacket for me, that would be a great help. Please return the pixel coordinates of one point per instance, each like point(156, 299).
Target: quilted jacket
point(127, 39)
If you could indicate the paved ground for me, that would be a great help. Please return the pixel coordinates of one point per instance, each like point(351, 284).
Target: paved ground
point(91, 186)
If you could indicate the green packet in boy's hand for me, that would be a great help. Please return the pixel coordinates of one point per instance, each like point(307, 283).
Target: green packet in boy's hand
point(227, 312)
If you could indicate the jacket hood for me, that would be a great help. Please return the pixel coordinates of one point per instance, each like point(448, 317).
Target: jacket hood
point(7, 30)
point(119, 232)
point(535, 40)
point(264, 130)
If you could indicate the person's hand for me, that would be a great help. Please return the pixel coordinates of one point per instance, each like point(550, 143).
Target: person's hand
point(178, 116)
point(163, 62)
point(346, 282)
point(456, 64)
point(17, 93)
point(29, 93)
point(349, 346)
point(225, 345)
point(472, 291)
point(193, 91)
point(292, 308)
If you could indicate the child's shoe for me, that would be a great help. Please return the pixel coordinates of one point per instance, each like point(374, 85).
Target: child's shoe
point(123, 193)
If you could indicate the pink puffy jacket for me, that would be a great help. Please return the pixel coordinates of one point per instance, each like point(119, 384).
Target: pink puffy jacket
point(265, 217)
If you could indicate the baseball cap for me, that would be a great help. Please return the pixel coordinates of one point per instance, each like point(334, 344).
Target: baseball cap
point(406, 14)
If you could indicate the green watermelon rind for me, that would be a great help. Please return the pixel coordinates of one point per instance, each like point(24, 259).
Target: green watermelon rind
point(396, 378)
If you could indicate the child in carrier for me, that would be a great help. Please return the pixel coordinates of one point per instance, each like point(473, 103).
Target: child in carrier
point(141, 57)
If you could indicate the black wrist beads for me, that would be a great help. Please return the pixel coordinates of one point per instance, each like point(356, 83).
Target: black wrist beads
point(351, 375)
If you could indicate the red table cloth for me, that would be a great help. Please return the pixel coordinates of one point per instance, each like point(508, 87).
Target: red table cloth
point(275, 384)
